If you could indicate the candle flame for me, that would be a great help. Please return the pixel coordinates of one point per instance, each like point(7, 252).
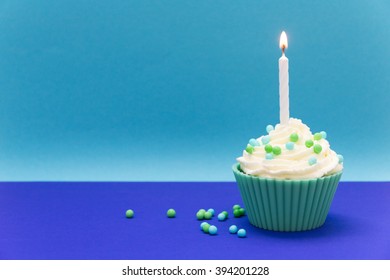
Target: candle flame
point(283, 44)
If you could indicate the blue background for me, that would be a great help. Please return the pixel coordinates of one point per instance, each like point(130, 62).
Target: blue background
point(173, 90)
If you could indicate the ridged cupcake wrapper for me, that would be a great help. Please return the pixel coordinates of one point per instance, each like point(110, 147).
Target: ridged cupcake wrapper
point(286, 205)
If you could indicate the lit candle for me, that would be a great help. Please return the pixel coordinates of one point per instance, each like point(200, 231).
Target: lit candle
point(283, 82)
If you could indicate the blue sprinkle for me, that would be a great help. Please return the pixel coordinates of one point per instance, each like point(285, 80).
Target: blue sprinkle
point(269, 128)
point(233, 229)
point(290, 146)
point(211, 210)
point(202, 224)
point(269, 156)
point(253, 142)
point(213, 230)
point(341, 158)
point(312, 160)
point(241, 232)
point(265, 139)
point(323, 134)
point(221, 216)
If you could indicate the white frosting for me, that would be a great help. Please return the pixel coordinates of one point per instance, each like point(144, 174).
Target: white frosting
point(291, 164)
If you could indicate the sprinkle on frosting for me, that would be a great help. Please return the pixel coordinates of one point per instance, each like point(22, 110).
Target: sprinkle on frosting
point(341, 159)
point(253, 142)
point(265, 139)
point(294, 137)
point(269, 156)
point(309, 143)
point(312, 160)
point(268, 148)
point(293, 160)
point(276, 150)
point(290, 146)
point(269, 128)
point(249, 149)
point(317, 148)
point(317, 136)
point(323, 134)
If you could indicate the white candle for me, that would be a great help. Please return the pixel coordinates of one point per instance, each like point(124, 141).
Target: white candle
point(283, 82)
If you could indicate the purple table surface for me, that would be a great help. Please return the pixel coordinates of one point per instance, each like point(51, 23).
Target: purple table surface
point(87, 221)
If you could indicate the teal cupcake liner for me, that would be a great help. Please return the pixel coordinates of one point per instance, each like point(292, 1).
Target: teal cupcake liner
point(286, 205)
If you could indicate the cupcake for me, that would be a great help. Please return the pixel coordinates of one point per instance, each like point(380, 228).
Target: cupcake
point(288, 178)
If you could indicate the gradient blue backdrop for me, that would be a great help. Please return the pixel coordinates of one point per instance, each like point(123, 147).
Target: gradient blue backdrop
point(173, 90)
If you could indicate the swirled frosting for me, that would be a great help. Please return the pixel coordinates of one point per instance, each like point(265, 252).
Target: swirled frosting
point(299, 159)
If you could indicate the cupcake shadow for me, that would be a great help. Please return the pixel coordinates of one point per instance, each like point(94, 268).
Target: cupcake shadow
point(336, 225)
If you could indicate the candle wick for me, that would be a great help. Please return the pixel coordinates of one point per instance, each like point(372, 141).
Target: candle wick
point(283, 47)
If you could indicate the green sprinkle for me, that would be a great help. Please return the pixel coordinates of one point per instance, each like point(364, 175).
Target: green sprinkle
point(268, 148)
point(225, 213)
point(205, 228)
point(276, 150)
point(236, 213)
point(202, 224)
point(208, 215)
point(242, 211)
point(317, 148)
point(200, 215)
point(309, 143)
point(294, 137)
point(317, 136)
point(237, 206)
point(171, 213)
point(129, 214)
point(249, 149)
point(202, 211)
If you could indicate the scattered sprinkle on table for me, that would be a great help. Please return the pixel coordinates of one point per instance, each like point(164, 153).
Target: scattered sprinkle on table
point(213, 230)
point(129, 214)
point(238, 211)
point(241, 233)
point(200, 214)
point(202, 224)
point(171, 213)
point(206, 227)
point(233, 229)
point(208, 215)
point(221, 217)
